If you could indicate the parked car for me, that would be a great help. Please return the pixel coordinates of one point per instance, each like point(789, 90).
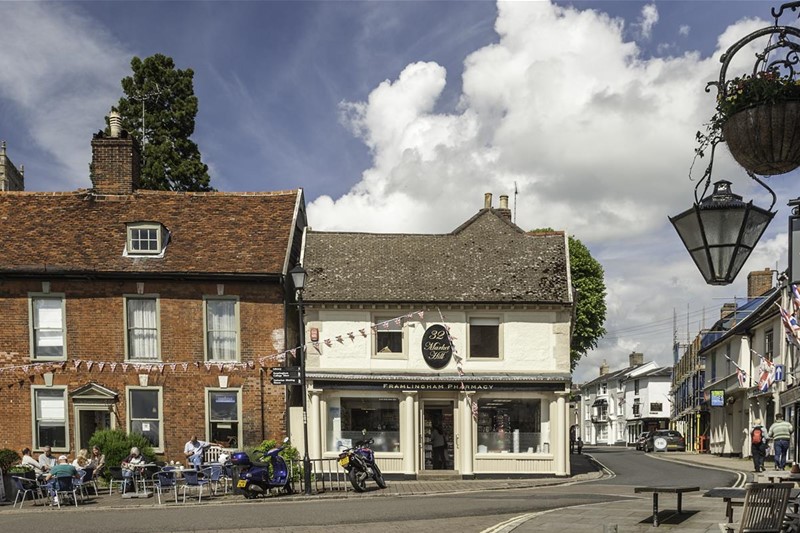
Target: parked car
point(665, 440)
point(642, 440)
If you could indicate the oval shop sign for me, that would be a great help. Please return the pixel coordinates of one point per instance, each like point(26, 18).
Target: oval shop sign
point(436, 347)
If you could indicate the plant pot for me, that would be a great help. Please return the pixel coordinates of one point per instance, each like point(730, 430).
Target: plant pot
point(765, 139)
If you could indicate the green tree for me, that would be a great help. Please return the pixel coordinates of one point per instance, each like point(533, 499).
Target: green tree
point(163, 98)
point(590, 302)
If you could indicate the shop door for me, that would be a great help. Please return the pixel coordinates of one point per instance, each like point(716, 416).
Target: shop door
point(438, 436)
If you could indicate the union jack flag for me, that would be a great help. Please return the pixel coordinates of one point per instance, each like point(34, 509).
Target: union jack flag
point(796, 298)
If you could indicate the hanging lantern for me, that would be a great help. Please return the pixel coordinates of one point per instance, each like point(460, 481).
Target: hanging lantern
point(720, 231)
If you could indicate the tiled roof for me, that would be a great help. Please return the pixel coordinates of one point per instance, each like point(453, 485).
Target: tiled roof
point(488, 259)
point(221, 233)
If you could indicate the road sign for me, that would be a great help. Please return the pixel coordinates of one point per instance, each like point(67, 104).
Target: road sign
point(285, 381)
point(282, 372)
point(285, 375)
point(779, 372)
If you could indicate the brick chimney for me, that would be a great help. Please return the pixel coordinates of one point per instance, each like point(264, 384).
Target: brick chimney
point(636, 359)
point(758, 282)
point(503, 209)
point(727, 310)
point(115, 160)
point(604, 368)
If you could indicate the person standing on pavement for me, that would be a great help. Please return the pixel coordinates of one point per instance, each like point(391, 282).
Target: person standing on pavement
point(780, 432)
point(758, 445)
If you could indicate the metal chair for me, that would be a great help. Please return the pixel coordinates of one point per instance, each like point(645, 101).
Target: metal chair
point(165, 480)
point(25, 487)
point(216, 475)
point(116, 477)
point(64, 487)
point(197, 480)
point(763, 509)
point(88, 480)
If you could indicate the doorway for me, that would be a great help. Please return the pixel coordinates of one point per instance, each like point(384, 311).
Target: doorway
point(89, 421)
point(438, 432)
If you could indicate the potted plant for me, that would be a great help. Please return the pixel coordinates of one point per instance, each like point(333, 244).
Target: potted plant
point(758, 117)
point(8, 458)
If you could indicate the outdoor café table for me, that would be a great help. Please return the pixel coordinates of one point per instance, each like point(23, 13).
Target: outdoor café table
point(729, 494)
point(668, 490)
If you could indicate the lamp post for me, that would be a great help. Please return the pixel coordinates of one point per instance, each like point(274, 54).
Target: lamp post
point(299, 279)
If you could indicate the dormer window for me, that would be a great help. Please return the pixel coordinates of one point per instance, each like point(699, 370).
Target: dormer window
point(145, 238)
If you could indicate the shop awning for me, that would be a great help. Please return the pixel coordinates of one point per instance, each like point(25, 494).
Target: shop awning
point(600, 401)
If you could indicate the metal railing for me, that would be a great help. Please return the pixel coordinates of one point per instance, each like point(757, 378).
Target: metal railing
point(326, 475)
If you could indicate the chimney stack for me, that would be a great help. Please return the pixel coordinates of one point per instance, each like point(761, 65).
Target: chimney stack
point(727, 310)
point(504, 210)
point(758, 282)
point(604, 368)
point(636, 358)
point(487, 200)
point(115, 160)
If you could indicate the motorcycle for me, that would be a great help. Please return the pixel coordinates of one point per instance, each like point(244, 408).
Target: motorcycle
point(359, 463)
point(257, 478)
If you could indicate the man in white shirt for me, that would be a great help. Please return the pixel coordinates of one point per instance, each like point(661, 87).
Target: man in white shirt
point(194, 451)
point(47, 459)
point(28, 460)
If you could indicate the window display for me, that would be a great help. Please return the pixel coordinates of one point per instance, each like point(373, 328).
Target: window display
point(509, 426)
point(380, 417)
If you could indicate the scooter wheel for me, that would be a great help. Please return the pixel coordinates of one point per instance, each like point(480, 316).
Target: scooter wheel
point(250, 495)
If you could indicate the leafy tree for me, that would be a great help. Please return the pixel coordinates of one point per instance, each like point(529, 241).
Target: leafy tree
point(590, 303)
point(116, 445)
point(163, 97)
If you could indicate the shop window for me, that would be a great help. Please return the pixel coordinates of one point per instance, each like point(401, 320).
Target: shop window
point(378, 417)
point(144, 414)
point(484, 337)
point(510, 425)
point(388, 336)
point(50, 420)
point(223, 417)
point(47, 327)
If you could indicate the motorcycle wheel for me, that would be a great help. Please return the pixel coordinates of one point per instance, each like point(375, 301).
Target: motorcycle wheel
point(358, 479)
point(378, 477)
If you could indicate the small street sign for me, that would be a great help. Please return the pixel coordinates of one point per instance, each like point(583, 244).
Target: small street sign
point(779, 372)
point(285, 375)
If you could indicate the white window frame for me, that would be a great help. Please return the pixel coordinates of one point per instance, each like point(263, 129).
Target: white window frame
point(240, 421)
point(32, 320)
point(35, 421)
point(392, 326)
point(483, 317)
point(129, 413)
point(206, 351)
point(126, 299)
point(144, 226)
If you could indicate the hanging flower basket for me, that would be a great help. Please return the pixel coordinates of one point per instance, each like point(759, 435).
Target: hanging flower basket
point(765, 138)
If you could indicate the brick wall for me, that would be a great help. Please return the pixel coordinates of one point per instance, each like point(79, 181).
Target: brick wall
point(95, 332)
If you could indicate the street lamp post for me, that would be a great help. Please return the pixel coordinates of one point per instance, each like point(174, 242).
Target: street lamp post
point(299, 279)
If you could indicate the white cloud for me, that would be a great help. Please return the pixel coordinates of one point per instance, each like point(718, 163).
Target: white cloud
point(598, 139)
point(647, 20)
point(62, 75)
point(684, 30)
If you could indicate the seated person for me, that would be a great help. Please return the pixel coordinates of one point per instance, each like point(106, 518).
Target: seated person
point(129, 465)
point(194, 451)
point(28, 460)
point(81, 458)
point(47, 459)
point(97, 460)
point(61, 469)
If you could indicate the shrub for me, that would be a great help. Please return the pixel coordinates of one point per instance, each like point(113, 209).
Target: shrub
point(116, 445)
point(289, 453)
point(8, 458)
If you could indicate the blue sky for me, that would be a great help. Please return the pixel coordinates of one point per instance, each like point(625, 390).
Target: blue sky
point(398, 116)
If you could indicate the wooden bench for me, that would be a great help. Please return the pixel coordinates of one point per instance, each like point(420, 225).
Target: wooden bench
point(665, 490)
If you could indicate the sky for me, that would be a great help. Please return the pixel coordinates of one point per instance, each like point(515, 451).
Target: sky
point(398, 116)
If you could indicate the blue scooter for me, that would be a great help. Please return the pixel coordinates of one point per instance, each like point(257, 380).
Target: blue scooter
point(256, 478)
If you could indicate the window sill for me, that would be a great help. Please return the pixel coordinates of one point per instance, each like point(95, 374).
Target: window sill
point(394, 356)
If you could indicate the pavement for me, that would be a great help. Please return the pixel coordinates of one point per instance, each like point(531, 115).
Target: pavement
point(630, 513)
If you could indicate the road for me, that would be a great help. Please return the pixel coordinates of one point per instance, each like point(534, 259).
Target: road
point(446, 513)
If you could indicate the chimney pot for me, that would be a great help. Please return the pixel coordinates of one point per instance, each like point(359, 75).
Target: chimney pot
point(604, 368)
point(504, 201)
point(115, 124)
point(487, 200)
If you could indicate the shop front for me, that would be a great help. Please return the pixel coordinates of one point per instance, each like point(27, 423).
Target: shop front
point(488, 427)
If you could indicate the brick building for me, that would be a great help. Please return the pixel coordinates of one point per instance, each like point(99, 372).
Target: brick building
point(151, 311)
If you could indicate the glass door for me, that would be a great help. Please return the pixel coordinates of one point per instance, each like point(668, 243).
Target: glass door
point(438, 436)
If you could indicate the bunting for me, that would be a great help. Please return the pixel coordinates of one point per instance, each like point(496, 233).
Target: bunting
point(766, 372)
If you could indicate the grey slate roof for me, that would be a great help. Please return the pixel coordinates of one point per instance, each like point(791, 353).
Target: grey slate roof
point(486, 260)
